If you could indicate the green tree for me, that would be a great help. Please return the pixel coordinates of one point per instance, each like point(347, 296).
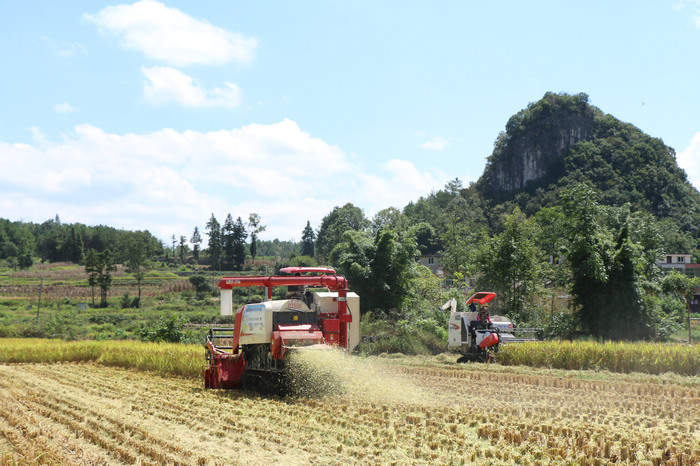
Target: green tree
point(24, 257)
point(92, 268)
point(167, 329)
point(426, 238)
point(255, 228)
point(333, 225)
point(510, 264)
point(462, 231)
point(104, 278)
point(201, 284)
point(628, 317)
point(215, 244)
point(239, 236)
point(59, 242)
point(72, 248)
point(390, 218)
point(307, 240)
point(588, 257)
point(183, 248)
point(607, 270)
point(136, 247)
point(551, 239)
point(16, 243)
point(379, 269)
point(678, 283)
point(227, 243)
point(196, 240)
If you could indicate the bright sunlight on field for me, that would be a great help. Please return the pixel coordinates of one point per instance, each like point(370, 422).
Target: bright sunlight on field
point(377, 410)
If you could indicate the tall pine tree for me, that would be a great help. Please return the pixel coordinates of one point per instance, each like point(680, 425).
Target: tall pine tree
point(215, 245)
point(307, 240)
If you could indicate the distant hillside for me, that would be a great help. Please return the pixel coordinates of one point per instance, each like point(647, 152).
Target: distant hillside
point(561, 139)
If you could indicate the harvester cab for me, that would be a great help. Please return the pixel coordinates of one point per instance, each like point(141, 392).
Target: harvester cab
point(317, 312)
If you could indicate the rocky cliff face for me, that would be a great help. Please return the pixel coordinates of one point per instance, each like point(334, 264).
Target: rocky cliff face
point(536, 153)
point(534, 141)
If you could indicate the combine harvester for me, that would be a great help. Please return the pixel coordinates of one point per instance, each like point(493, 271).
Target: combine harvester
point(254, 354)
point(477, 336)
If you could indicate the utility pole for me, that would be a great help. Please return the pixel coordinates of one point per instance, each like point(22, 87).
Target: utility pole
point(38, 307)
point(690, 328)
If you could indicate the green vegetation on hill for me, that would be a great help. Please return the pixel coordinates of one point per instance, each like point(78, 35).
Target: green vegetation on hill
point(576, 143)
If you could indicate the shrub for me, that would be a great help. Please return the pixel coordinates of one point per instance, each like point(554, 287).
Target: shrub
point(564, 325)
point(127, 302)
point(167, 329)
point(201, 284)
point(380, 335)
point(104, 318)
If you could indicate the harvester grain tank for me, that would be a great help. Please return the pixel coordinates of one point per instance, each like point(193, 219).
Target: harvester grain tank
point(254, 354)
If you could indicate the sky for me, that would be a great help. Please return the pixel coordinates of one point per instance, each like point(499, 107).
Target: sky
point(155, 115)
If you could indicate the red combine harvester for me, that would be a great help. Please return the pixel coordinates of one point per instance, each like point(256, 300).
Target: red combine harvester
point(471, 333)
point(476, 335)
point(253, 355)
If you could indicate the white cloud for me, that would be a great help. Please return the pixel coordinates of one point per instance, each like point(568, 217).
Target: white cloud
point(164, 84)
point(65, 49)
point(169, 181)
point(65, 107)
point(400, 183)
point(436, 143)
point(689, 160)
point(171, 36)
point(693, 5)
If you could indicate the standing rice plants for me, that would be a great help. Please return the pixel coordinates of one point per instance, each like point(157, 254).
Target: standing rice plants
point(35, 350)
point(644, 357)
point(162, 358)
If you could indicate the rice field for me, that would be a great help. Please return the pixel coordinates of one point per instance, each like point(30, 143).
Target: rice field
point(89, 405)
point(650, 358)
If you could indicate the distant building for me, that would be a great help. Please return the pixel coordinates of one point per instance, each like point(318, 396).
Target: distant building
point(680, 262)
point(432, 261)
point(683, 263)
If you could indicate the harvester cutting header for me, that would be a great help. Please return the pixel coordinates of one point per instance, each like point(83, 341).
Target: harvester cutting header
point(254, 353)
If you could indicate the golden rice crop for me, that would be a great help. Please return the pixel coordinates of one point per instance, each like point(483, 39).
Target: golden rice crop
point(644, 357)
point(162, 358)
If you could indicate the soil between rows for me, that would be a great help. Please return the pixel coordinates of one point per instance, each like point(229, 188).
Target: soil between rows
point(390, 412)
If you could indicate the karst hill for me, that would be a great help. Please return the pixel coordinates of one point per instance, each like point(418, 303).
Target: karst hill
point(562, 139)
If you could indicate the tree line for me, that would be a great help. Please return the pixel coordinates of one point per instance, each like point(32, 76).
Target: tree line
point(604, 257)
point(54, 241)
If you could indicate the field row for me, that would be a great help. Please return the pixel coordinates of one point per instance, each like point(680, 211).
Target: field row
point(390, 411)
point(644, 357)
point(649, 358)
point(59, 291)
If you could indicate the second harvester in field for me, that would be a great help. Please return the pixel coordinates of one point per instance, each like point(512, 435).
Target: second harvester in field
point(476, 335)
point(254, 354)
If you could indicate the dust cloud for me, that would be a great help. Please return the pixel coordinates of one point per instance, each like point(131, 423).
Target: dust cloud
point(318, 373)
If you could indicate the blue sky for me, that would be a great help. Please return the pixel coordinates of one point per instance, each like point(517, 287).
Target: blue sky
point(154, 115)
